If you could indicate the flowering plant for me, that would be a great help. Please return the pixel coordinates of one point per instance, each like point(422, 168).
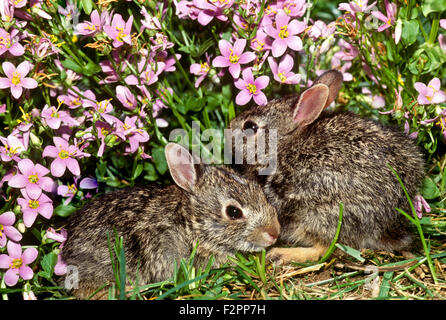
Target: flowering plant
point(89, 92)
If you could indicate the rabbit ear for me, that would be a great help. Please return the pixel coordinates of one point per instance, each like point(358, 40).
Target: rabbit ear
point(181, 166)
point(310, 105)
point(333, 80)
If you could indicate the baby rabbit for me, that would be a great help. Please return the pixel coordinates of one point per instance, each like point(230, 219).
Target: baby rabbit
point(324, 158)
point(214, 205)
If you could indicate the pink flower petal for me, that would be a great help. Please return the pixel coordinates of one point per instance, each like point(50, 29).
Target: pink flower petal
point(243, 97)
point(5, 261)
point(247, 57)
point(225, 48)
point(29, 255)
point(29, 216)
point(279, 47)
point(7, 218)
point(73, 166)
point(18, 181)
point(234, 70)
point(220, 62)
point(23, 68)
point(239, 46)
point(17, 49)
point(60, 143)
point(33, 190)
point(58, 167)
point(8, 68)
point(435, 84)
point(26, 272)
point(14, 250)
point(16, 91)
point(46, 210)
point(50, 151)
point(247, 75)
point(28, 83)
point(295, 43)
point(261, 82)
point(282, 19)
point(11, 277)
point(12, 233)
point(41, 170)
point(5, 83)
point(47, 184)
point(204, 18)
point(296, 27)
point(260, 99)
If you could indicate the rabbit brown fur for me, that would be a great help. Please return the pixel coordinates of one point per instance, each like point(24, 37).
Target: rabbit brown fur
point(324, 158)
point(161, 225)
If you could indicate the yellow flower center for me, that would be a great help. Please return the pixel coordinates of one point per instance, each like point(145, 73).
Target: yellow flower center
point(204, 67)
point(33, 178)
point(283, 32)
point(1, 230)
point(121, 34)
point(16, 263)
point(15, 78)
point(5, 42)
point(281, 77)
point(63, 154)
point(251, 88)
point(233, 58)
point(11, 151)
point(33, 204)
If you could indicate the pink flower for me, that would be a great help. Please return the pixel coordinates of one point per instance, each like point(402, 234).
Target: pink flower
point(125, 96)
point(16, 78)
point(443, 23)
point(64, 157)
point(284, 34)
point(282, 72)
point(7, 230)
point(32, 207)
point(16, 262)
point(430, 94)
point(211, 9)
point(31, 178)
point(12, 148)
point(388, 20)
point(130, 131)
point(320, 30)
point(53, 117)
point(88, 28)
point(149, 22)
point(8, 44)
point(201, 70)
point(261, 42)
point(148, 73)
point(293, 8)
point(421, 205)
point(119, 30)
point(356, 6)
point(251, 88)
point(233, 56)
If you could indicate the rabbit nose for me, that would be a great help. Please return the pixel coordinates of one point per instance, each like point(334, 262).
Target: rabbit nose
point(271, 234)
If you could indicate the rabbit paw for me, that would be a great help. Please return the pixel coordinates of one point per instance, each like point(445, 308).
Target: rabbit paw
point(286, 255)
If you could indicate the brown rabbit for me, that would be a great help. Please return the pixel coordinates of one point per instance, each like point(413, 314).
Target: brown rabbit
point(213, 205)
point(324, 158)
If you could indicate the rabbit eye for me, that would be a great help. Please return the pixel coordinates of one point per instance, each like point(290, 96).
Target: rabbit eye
point(234, 213)
point(250, 125)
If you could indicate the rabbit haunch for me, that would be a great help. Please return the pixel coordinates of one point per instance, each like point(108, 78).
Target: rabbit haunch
point(213, 205)
point(324, 158)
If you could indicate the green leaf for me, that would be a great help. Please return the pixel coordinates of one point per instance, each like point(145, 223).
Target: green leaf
point(410, 31)
point(150, 170)
point(137, 171)
point(91, 68)
point(350, 251)
point(63, 210)
point(87, 5)
point(48, 262)
point(430, 6)
point(159, 159)
point(429, 189)
point(70, 64)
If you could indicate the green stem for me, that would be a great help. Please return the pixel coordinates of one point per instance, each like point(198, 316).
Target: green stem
point(417, 223)
point(434, 29)
point(335, 239)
